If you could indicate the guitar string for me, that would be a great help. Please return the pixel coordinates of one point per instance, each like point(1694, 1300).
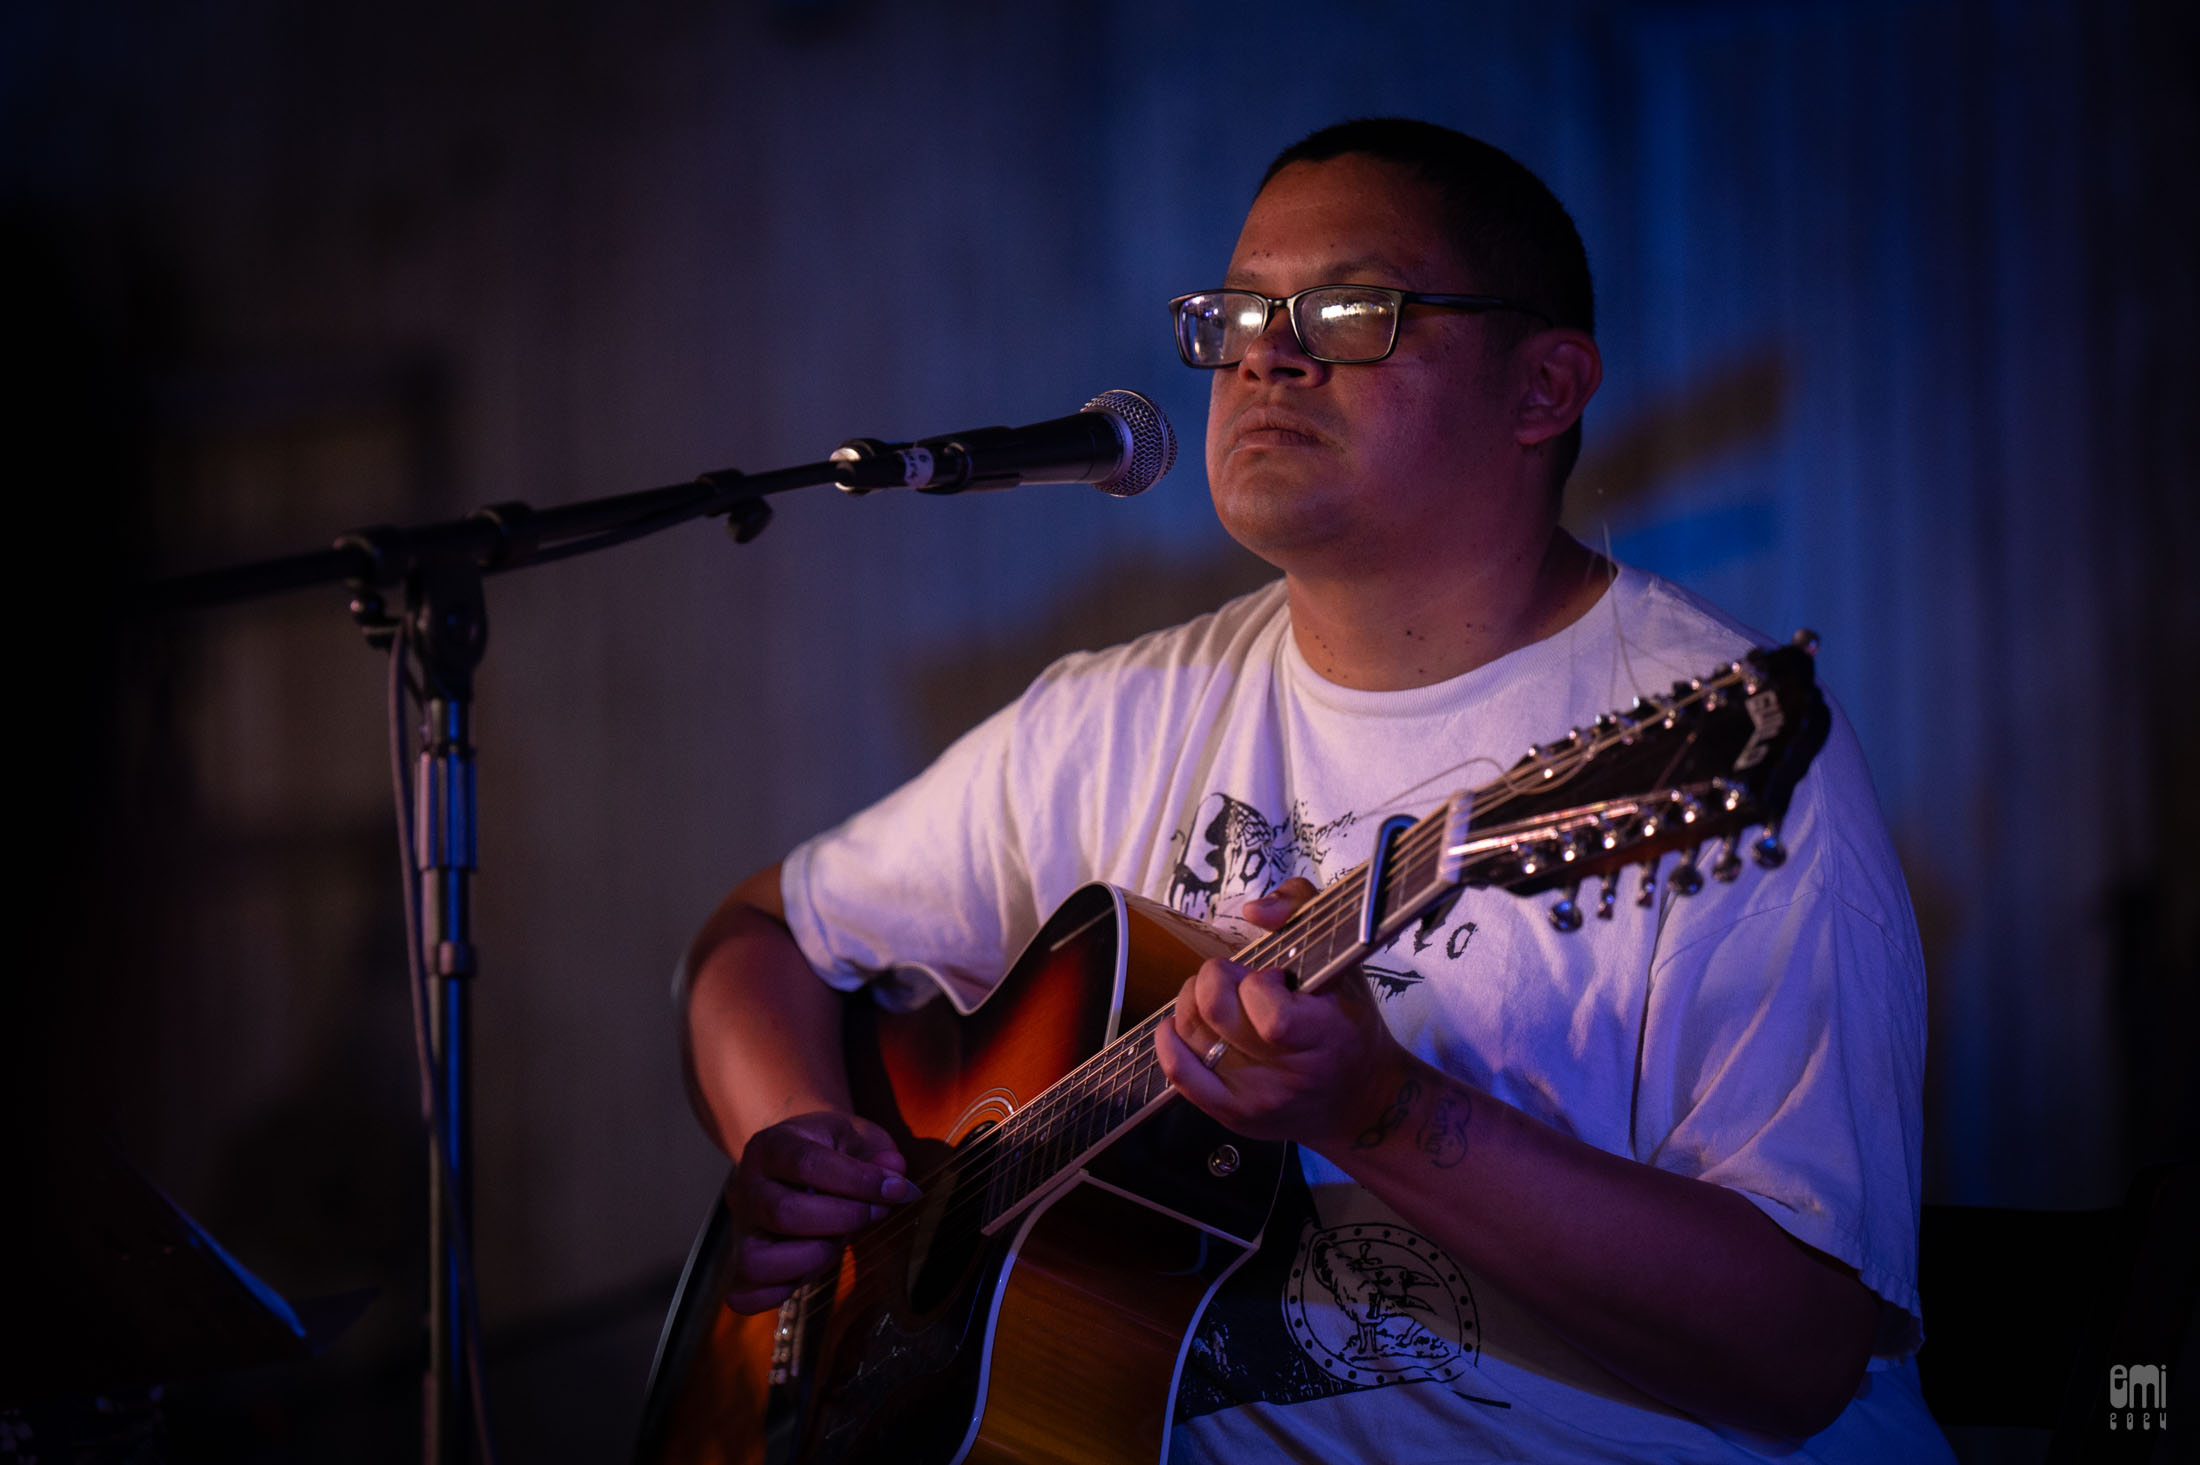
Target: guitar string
point(1064, 1111)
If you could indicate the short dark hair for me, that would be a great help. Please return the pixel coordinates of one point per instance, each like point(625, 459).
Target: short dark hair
point(1511, 231)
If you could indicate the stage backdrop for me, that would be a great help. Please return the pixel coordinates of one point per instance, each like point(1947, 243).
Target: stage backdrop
point(1898, 317)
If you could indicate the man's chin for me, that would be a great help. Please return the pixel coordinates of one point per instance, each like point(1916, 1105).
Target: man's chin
point(1282, 526)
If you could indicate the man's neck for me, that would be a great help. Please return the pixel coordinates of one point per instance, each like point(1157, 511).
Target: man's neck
point(1402, 630)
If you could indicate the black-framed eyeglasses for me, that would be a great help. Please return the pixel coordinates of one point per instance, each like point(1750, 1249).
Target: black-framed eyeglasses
point(1344, 325)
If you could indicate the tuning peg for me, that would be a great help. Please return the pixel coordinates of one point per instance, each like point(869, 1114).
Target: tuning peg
point(1608, 895)
point(1728, 865)
point(1566, 915)
point(1730, 793)
point(1647, 892)
point(1768, 850)
point(1687, 879)
point(1807, 639)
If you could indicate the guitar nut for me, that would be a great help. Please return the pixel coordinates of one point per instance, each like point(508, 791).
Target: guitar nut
point(1224, 1161)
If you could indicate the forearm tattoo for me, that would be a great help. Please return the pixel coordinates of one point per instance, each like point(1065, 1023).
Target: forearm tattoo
point(1394, 1114)
point(1443, 1133)
point(1443, 1136)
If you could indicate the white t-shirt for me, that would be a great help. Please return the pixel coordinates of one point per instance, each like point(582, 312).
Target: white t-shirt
point(1766, 1035)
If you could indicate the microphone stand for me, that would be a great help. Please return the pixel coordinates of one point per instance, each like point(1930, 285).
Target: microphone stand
point(441, 567)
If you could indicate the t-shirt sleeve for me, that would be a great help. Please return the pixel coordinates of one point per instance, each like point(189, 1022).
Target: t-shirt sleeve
point(925, 891)
point(938, 886)
point(1784, 1054)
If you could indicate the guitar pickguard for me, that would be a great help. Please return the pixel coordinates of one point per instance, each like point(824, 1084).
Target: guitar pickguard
point(902, 1385)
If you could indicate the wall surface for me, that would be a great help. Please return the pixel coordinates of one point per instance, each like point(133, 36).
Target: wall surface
point(1898, 315)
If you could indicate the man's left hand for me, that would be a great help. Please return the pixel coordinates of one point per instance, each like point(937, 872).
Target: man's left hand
point(1315, 1067)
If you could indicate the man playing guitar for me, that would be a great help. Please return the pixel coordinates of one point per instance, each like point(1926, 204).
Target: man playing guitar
point(1647, 1190)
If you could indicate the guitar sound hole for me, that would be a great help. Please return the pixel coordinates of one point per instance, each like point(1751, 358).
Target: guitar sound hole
point(948, 1246)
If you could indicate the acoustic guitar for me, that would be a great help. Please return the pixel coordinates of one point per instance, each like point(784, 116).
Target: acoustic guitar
point(1036, 1303)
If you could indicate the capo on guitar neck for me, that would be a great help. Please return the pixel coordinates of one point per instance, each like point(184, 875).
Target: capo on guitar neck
point(1371, 903)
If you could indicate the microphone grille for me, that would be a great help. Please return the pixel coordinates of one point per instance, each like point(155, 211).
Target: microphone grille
point(1149, 442)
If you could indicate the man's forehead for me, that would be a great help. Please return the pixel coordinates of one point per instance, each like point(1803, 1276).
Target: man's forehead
point(1340, 266)
point(1348, 219)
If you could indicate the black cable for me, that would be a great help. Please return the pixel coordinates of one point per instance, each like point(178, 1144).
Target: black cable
point(431, 1097)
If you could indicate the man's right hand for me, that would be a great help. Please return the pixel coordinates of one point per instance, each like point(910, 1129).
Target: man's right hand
point(801, 1187)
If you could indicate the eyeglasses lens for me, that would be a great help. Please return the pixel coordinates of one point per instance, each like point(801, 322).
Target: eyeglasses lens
point(1215, 329)
point(1342, 323)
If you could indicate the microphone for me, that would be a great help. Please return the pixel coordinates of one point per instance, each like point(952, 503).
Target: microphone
point(1120, 444)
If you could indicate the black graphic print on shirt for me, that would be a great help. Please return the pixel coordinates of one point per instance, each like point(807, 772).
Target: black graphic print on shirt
point(1232, 851)
point(1322, 1310)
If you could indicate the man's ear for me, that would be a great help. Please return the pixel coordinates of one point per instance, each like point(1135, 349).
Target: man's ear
point(1562, 370)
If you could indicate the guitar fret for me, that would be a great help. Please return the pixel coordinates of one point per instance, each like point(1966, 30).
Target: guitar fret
point(1001, 1187)
point(1042, 1157)
point(1062, 1148)
point(997, 1189)
point(1022, 1185)
point(1086, 1125)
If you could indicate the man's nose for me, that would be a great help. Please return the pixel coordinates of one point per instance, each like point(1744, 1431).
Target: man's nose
point(1276, 351)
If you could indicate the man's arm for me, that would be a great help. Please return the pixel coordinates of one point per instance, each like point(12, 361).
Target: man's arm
point(1680, 1286)
point(761, 1050)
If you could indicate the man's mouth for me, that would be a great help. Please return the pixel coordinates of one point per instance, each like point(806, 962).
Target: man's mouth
point(1265, 429)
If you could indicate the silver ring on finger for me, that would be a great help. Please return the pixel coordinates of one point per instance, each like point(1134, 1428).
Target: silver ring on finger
point(1214, 1054)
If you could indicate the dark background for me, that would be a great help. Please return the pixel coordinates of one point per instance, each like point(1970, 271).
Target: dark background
point(1898, 310)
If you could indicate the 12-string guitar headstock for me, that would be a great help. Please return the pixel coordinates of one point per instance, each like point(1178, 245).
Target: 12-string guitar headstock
point(1716, 757)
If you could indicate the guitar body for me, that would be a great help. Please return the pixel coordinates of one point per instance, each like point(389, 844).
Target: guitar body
point(1054, 1334)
